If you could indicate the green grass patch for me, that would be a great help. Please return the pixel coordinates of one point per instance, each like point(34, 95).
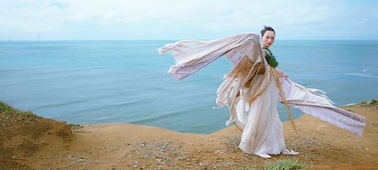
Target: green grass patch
point(371, 102)
point(75, 126)
point(284, 164)
point(10, 114)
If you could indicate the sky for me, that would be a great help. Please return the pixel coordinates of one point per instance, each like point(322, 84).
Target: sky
point(186, 19)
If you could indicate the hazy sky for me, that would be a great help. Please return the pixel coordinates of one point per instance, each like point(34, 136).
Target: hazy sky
point(186, 19)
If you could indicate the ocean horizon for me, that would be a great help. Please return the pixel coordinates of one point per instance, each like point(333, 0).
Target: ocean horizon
point(126, 81)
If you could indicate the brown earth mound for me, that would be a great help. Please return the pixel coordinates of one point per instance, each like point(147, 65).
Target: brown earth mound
point(31, 142)
point(24, 134)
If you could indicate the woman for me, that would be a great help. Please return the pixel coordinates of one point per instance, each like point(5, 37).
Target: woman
point(263, 132)
point(254, 87)
point(259, 118)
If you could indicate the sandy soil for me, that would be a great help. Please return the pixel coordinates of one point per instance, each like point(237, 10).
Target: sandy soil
point(48, 144)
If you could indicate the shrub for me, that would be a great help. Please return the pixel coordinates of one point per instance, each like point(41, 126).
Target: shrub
point(284, 164)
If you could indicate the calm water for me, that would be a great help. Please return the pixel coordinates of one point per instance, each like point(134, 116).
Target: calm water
point(88, 82)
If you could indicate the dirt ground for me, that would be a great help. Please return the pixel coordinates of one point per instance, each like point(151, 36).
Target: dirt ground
point(28, 142)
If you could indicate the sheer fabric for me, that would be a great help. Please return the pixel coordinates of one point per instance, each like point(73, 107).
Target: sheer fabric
point(252, 89)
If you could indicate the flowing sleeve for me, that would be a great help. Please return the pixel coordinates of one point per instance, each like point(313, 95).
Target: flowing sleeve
point(191, 55)
point(316, 103)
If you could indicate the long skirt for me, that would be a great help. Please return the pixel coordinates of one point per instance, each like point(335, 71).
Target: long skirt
point(263, 130)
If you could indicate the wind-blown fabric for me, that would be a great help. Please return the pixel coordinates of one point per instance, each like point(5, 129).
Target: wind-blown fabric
point(192, 55)
point(252, 90)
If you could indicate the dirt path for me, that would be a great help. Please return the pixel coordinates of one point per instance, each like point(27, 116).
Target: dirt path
point(126, 146)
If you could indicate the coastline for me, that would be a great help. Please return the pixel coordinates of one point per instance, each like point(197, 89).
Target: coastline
point(129, 146)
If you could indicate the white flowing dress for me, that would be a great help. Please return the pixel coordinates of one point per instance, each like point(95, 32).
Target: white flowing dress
point(252, 96)
point(262, 127)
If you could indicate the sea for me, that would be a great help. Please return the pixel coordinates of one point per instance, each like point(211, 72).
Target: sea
point(106, 82)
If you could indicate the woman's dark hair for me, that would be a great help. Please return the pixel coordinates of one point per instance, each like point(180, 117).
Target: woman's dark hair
point(267, 28)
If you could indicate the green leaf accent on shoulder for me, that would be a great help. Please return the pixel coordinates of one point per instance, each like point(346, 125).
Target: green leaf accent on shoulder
point(269, 57)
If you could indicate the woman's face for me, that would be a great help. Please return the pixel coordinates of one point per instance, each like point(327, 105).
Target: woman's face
point(268, 39)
